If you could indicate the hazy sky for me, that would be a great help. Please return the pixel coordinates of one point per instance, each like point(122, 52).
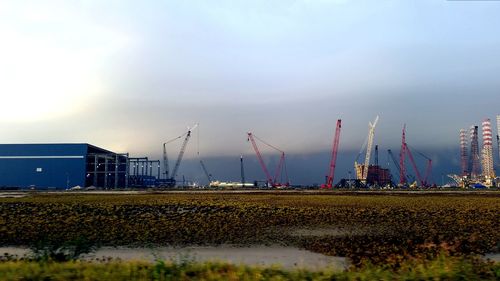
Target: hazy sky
point(128, 75)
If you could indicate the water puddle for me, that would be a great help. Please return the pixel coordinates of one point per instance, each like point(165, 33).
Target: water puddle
point(12, 194)
point(493, 257)
point(287, 257)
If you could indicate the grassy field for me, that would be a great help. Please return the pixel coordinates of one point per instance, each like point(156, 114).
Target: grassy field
point(439, 268)
point(384, 230)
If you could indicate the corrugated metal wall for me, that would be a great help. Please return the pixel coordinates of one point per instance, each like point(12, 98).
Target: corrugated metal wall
point(42, 165)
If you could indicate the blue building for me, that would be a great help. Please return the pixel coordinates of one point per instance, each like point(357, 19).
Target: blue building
point(61, 166)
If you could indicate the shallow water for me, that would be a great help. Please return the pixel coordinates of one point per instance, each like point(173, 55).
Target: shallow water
point(287, 257)
point(493, 257)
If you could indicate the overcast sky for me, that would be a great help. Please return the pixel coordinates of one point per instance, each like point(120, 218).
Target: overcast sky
point(128, 75)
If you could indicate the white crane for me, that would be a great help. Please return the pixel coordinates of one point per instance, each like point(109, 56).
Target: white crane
point(170, 178)
point(362, 171)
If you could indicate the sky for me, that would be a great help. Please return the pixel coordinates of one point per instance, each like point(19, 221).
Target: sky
point(129, 75)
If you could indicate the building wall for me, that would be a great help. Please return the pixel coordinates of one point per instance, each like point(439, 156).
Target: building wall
point(42, 165)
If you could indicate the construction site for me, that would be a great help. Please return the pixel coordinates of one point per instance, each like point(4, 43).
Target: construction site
point(84, 166)
point(476, 163)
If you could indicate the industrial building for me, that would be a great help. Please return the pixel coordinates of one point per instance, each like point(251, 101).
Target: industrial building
point(61, 166)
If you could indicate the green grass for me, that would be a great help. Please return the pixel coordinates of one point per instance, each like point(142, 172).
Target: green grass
point(441, 268)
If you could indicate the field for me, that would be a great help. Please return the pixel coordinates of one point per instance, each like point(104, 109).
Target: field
point(384, 230)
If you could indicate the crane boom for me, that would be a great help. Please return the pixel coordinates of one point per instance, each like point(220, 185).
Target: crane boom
point(369, 147)
point(279, 169)
point(274, 182)
point(165, 157)
point(425, 180)
point(394, 160)
point(419, 177)
point(259, 156)
point(209, 176)
point(362, 170)
point(333, 159)
point(170, 177)
point(181, 153)
point(428, 172)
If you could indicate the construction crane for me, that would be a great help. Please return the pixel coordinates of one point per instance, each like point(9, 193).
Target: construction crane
point(208, 175)
point(170, 177)
point(333, 160)
point(362, 170)
point(405, 150)
point(414, 165)
point(396, 164)
point(424, 181)
point(273, 182)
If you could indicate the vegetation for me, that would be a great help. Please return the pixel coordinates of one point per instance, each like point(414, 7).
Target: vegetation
point(381, 229)
point(441, 268)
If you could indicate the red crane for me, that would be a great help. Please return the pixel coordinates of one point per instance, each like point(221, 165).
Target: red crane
point(419, 177)
point(333, 160)
point(280, 169)
point(405, 149)
point(425, 180)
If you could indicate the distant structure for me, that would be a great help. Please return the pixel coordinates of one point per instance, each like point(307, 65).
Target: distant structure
point(498, 135)
point(62, 166)
point(474, 152)
point(478, 171)
point(402, 155)
point(463, 153)
point(242, 171)
point(487, 151)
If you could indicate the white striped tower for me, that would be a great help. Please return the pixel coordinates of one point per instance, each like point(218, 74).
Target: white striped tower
point(488, 170)
point(463, 153)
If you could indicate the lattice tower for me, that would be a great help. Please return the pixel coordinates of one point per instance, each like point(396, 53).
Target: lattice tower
point(463, 153)
point(474, 152)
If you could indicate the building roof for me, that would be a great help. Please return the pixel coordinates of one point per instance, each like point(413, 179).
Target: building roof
point(50, 149)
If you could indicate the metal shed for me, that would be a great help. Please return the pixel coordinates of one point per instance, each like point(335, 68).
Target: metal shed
point(61, 166)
